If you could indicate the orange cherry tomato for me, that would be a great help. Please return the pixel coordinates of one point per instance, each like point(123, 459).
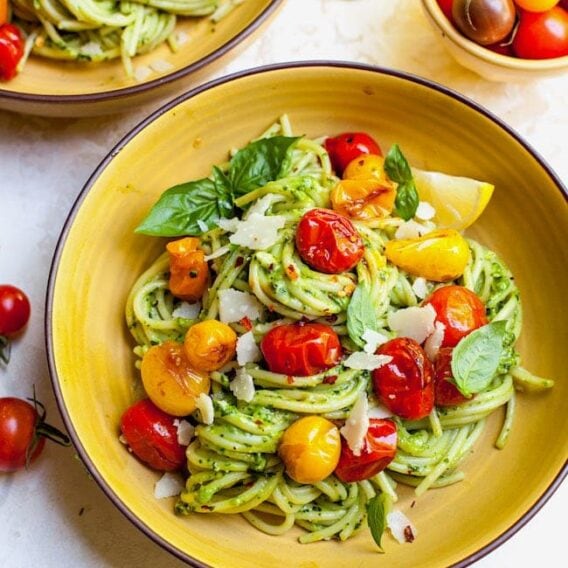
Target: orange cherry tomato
point(345, 147)
point(406, 384)
point(11, 50)
point(379, 450)
point(363, 198)
point(301, 349)
point(209, 345)
point(328, 242)
point(446, 393)
point(189, 273)
point(459, 309)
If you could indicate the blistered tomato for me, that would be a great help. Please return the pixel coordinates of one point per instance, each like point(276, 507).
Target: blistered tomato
point(301, 349)
point(379, 450)
point(367, 166)
point(363, 198)
point(440, 256)
point(170, 381)
point(310, 449)
point(210, 345)
point(405, 385)
point(345, 147)
point(11, 50)
point(459, 309)
point(446, 392)
point(328, 242)
point(189, 272)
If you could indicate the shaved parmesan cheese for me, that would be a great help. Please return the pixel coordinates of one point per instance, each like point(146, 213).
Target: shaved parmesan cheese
point(161, 66)
point(185, 432)
point(258, 232)
point(410, 230)
point(247, 349)
point(366, 361)
point(377, 410)
point(401, 527)
point(142, 72)
point(355, 428)
point(91, 49)
point(372, 340)
point(434, 342)
point(263, 204)
point(416, 323)
point(205, 406)
point(169, 485)
point(242, 386)
point(420, 287)
point(219, 252)
point(425, 211)
point(187, 310)
point(235, 305)
point(229, 225)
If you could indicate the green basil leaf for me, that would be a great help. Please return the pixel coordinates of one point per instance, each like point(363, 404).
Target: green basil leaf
point(189, 208)
point(396, 166)
point(258, 163)
point(377, 518)
point(406, 201)
point(360, 314)
point(476, 357)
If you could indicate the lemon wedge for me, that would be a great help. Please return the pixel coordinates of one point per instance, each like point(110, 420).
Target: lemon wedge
point(458, 201)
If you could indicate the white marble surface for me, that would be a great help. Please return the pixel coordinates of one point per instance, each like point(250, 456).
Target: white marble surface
point(54, 515)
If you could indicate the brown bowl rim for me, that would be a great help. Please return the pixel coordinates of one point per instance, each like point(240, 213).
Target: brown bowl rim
point(330, 64)
point(154, 83)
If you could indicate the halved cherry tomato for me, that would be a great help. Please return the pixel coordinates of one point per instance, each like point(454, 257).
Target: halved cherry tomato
point(542, 35)
point(459, 309)
point(310, 449)
point(152, 436)
point(172, 384)
point(446, 393)
point(189, 272)
point(405, 385)
point(363, 198)
point(301, 349)
point(11, 50)
point(345, 147)
point(378, 452)
point(328, 242)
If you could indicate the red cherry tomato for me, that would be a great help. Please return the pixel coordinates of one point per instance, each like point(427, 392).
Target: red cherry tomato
point(11, 50)
point(23, 432)
point(502, 49)
point(446, 7)
point(405, 385)
point(14, 310)
point(346, 147)
point(328, 242)
point(152, 436)
point(446, 392)
point(542, 35)
point(378, 452)
point(301, 349)
point(459, 309)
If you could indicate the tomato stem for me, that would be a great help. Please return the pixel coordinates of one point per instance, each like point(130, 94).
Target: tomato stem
point(5, 348)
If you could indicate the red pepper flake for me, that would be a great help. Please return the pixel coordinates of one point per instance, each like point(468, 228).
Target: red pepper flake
point(290, 380)
point(408, 534)
point(239, 261)
point(291, 272)
point(330, 380)
point(246, 323)
point(208, 507)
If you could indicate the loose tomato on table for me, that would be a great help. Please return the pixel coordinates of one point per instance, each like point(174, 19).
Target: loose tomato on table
point(379, 450)
point(460, 310)
point(542, 35)
point(11, 50)
point(405, 385)
point(152, 436)
point(301, 349)
point(345, 147)
point(446, 392)
point(23, 432)
point(14, 316)
point(328, 242)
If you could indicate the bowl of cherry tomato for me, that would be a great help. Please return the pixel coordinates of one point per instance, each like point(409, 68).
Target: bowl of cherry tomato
point(504, 40)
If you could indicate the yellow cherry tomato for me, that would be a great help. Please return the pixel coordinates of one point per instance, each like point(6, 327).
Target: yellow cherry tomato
point(366, 166)
point(440, 256)
point(536, 5)
point(210, 345)
point(363, 198)
point(310, 449)
point(169, 380)
point(189, 273)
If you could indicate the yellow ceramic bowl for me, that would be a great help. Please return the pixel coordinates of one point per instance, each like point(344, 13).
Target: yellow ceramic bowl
point(99, 257)
point(54, 88)
point(488, 64)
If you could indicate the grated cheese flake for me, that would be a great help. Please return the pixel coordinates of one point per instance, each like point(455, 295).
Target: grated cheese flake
point(219, 252)
point(434, 341)
point(161, 66)
point(185, 432)
point(425, 211)
point(258, 232)
point(169, 485)
point(234, 305)
point(247, 349)
point(263, 204)
point(242, 386)
point(415, 322)
point(229, 225)
point(400, 526)
point(142, 72)
point(204, 404)
point(410, 230)
point(420, 287)
point(355, 428)
point(187, 311)
point(372, 340)
point(366, 361)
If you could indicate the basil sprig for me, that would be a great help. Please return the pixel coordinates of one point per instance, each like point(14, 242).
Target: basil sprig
point(377, 509)
point(476, 358)
point(398, 170)
point(195, 207)
point(360, 314)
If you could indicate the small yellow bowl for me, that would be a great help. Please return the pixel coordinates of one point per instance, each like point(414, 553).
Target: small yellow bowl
point(99, 257)
point(488, 64)
point(61, 88)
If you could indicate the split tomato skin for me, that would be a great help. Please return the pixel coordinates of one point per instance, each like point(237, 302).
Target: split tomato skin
point(152, 436)
point(405, 385)
point(345, 147)
point(446, 392)
point(301, 349)
point(376, 455)
point(328, 242)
